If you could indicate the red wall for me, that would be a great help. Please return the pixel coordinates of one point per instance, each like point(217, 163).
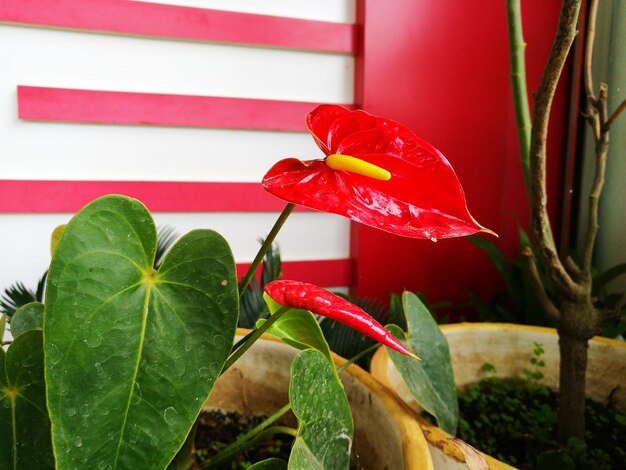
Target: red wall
point(441, 68)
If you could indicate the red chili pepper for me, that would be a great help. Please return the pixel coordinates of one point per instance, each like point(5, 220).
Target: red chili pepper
point(376, 172)
point(301, 295)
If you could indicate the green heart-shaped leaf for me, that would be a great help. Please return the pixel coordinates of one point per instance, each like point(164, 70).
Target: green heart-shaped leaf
point(28, 317)
point(431, 380)
point(24, 425)
point(298, 328)
point(132, 354)
point(325, 424)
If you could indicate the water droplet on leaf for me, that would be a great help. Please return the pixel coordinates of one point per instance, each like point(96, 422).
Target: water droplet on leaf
point(170, 415)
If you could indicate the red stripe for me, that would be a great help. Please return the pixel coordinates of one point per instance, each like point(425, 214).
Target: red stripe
point(324, 273)
point(170, 21)
point(112, 107)
point(28, 196)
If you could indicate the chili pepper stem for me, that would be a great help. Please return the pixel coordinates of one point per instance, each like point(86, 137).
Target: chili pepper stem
point(267, 243)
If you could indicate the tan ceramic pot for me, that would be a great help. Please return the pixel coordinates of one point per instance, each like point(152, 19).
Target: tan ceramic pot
point(387, 437)
point(508, 347)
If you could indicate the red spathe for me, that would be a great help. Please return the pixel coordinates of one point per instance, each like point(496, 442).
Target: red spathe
point(423, 198)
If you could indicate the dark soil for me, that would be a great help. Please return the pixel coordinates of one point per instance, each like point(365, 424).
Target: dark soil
point(217, 430)
point(515, 421)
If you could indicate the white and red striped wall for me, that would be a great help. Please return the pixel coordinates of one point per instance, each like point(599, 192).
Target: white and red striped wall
point(184, 108)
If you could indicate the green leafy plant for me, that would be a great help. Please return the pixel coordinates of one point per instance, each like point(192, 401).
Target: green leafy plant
point(514, 419)
point(535, 375)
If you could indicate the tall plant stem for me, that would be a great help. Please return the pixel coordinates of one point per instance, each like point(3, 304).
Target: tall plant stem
point(572, 310)
point(540, 222)
point(267, 243)
point(572, 373)
point(517, 47)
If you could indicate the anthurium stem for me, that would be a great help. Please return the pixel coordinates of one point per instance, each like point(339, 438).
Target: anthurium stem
point(267, 243)
point(252, 337)
point(238, 447)
point(517, 47)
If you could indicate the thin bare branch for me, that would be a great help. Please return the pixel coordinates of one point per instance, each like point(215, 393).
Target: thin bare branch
point(613, 116)
point(538, 287)
point(540, 222)
point(591, 36)
point(602, 103)
point(572, 268)
point(601, 154)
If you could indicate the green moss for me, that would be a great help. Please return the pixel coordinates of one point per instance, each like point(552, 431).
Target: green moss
point(515, 421)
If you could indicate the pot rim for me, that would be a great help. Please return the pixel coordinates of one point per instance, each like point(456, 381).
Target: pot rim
point(518, 327)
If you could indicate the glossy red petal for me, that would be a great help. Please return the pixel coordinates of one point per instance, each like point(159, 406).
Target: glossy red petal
point(300, 295)
point(423, 199)
point(320, 120)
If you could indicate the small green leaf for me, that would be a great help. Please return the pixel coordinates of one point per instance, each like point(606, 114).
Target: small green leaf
point(28, 317)
point(269, 464)
point(298, 328)
point(325, 423)
point(131, 354)
point(431, 380)
point(25, 442)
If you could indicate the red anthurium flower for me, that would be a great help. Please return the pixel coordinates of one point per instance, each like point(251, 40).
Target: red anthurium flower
point(304, 296)
point(376, 172)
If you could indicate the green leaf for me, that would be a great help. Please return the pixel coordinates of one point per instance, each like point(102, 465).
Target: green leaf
point(3, 324)
point(298, 328)
point(24, 425)
point(269, 464)
point(28, 317)
point(325, 423)
point(431, 380)
point(132, 354)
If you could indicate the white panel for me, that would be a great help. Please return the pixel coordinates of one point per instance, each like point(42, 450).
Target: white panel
point(25, 239)
point(62, 151)
point(69, 59)
point(339, 11)
point(76, 60)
